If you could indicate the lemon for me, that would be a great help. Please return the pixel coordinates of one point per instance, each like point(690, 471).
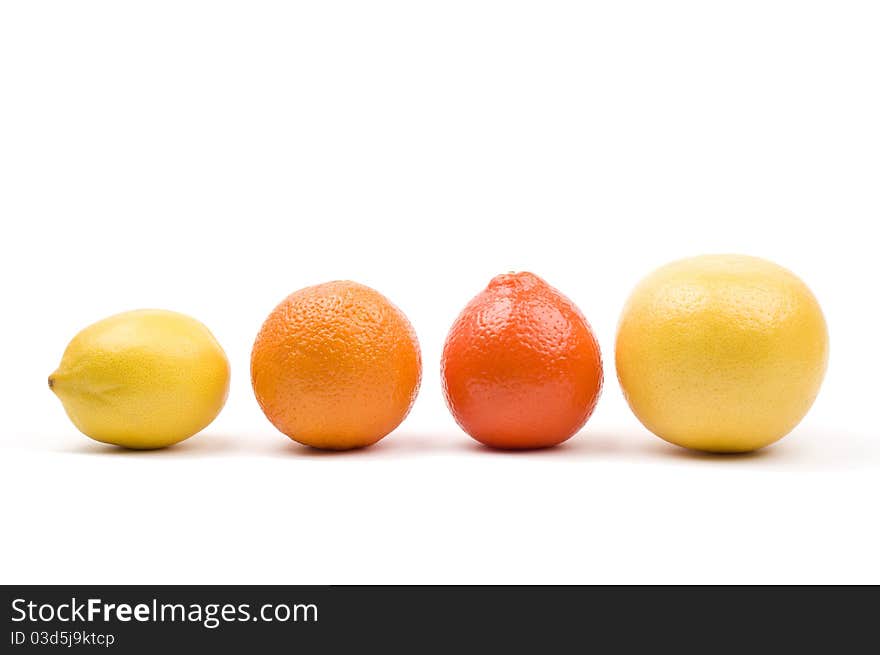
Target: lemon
point(142, 379)
point(722, 353)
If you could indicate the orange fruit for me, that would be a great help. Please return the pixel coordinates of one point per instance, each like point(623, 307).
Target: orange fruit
point(521, 367)
point(336, 366)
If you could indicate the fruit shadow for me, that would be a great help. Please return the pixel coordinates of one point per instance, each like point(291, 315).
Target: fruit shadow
point(805, 451)
point(593, 445)
point(802, 451)
point(410, 444)
point(397, 444)
point(199, 446)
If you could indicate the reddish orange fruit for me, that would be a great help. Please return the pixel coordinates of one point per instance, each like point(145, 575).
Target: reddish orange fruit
point(336, 366)
point(521, 367)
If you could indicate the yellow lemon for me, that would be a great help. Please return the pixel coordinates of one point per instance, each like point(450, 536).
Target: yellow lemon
point(723, 353)
point(142, 379)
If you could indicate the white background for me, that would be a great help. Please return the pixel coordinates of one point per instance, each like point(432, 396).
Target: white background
point(213, 157)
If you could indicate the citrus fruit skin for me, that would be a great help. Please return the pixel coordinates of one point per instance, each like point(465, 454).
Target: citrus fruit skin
point(336, 366)
point(521, 367)
point(721, 353)
point(142, 379)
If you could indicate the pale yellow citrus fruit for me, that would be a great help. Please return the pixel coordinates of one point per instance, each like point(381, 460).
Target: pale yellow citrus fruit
point(722, 353)
point(142, 379)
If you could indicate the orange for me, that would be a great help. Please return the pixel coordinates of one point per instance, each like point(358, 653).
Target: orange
point(521, 367)
point(336, 366)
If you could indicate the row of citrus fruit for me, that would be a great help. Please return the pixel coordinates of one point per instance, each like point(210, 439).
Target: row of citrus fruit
point(718, 353)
